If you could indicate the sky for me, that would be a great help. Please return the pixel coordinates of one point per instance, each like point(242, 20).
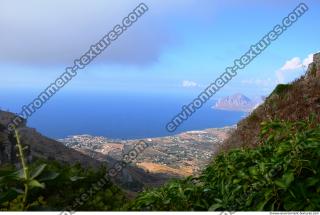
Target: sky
point(177, 47)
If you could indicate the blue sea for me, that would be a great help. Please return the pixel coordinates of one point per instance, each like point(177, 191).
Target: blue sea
point(115, 115)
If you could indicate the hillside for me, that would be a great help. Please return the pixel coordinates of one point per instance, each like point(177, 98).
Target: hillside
point(39, 146)
point(282, 174)
point(291, 102)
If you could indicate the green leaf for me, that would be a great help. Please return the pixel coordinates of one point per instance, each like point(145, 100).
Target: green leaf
point(214, 207)
point(11, 176)
point(48, 176)
point(35, 183)
point(285, 181)
point(288, 178)
point(76, 178)
point(166, 202)
point(253, 171)
point(36, 172)
point(312, 181)
point(261, 205)
point(280, 184)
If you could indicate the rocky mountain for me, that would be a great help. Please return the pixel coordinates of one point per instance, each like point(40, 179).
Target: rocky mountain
point(238, 102)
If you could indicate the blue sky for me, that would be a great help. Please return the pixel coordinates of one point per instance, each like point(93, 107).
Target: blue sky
point(177, 47)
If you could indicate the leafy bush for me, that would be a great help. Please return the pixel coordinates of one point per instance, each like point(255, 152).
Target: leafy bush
point(48, 185)
point(283, 173)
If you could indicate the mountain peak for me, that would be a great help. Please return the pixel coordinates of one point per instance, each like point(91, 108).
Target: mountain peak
point(236, 102)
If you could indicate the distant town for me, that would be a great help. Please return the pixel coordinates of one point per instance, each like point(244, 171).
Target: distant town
point(180, 155)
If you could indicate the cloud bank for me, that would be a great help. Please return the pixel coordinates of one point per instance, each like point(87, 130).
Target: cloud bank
point(39, 32)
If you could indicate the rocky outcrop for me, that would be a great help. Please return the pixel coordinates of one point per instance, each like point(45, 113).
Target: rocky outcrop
point(237, 102)
point(314, 68)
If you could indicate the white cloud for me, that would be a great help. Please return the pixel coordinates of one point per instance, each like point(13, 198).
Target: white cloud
point(294, 63)
point(308, 60)
point(292, 67)
point(189, 84)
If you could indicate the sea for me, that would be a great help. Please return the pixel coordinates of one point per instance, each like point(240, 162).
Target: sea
point(115, 115)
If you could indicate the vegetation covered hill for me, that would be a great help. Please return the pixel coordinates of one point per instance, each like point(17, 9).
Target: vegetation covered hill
point(290, 102)
point(283, 173)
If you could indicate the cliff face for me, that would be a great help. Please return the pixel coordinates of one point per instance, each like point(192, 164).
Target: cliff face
point(314, 68)
point(38, 146)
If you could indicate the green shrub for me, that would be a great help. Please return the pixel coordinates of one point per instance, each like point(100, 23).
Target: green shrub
point(281, 174)
point(49, 185)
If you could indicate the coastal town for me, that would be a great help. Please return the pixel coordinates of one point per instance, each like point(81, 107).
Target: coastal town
point(180, 155)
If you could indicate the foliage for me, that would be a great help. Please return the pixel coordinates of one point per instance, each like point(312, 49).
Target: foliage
point(283, 173)
point(52, 186)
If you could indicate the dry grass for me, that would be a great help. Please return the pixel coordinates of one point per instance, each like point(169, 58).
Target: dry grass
point(158, 168)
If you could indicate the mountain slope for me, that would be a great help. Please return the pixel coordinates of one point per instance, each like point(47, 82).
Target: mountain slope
point(282, 174)
point(39, 146)
point(291, 102)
